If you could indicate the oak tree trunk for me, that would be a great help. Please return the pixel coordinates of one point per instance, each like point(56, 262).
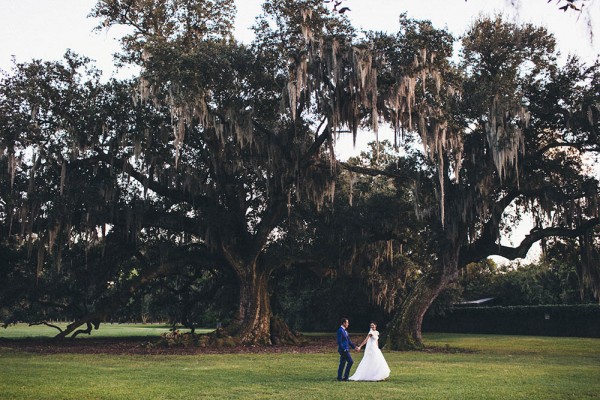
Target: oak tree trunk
point(404, 332)
point(252, 326)
point(255, 324)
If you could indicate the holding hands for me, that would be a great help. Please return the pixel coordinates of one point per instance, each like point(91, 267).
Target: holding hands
point(364, 341)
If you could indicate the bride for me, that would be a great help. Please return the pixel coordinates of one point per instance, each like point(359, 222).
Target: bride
point(373, 366)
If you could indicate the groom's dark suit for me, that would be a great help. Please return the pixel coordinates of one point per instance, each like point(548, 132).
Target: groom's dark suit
point(344, 345)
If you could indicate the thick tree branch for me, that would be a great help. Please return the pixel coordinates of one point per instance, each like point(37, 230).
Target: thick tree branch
point(490, 228)
point(371, 171)
point(308, 157)
point(194, 254)
point(268, 221)
point(88, 330)
point(557, 194)
point(173, 222)
point(76, 324)
point(47, 324)
point(485, 249)
point(161, 190)
point(583, 146)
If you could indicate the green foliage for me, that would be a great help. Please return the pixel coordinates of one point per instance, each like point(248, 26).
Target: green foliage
point(527, 285)
point(552, 280)
point(159, 25)
point(301, 296)
point(356, 256)
point(477, 280)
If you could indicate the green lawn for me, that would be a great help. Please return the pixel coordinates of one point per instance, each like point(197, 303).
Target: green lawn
point(494, 367)
point(21, 331)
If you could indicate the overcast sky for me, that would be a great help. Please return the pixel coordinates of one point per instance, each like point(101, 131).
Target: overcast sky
point(46, 28)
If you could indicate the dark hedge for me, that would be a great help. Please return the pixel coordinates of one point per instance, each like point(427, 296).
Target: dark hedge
point(546, 320)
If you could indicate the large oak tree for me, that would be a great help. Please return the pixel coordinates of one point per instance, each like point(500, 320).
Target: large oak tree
point(517, 143)
point(200, 159)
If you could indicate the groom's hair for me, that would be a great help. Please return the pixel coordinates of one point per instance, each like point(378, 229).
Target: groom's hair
point(343, 320)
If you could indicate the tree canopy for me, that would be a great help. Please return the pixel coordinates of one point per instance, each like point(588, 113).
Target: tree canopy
point(204, 163)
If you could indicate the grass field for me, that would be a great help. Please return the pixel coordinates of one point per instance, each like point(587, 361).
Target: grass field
point(490, 367)
point(22, 331)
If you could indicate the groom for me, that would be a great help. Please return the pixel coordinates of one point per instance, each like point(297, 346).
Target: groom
point(344, 344)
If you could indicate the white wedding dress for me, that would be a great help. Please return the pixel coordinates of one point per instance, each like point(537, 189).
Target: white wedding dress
point(373, 366)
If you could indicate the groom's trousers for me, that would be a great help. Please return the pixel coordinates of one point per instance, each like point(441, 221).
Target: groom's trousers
point(345, 360)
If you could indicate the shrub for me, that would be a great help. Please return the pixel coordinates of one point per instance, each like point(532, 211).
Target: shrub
point(546, 320)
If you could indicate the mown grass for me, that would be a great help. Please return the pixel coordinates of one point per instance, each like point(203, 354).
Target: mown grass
point(23, 331)
point(490, 367)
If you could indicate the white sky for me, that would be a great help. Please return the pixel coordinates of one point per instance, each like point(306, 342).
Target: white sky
point(45, 29)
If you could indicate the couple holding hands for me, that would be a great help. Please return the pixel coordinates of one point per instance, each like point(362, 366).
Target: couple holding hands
point(372, 367)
